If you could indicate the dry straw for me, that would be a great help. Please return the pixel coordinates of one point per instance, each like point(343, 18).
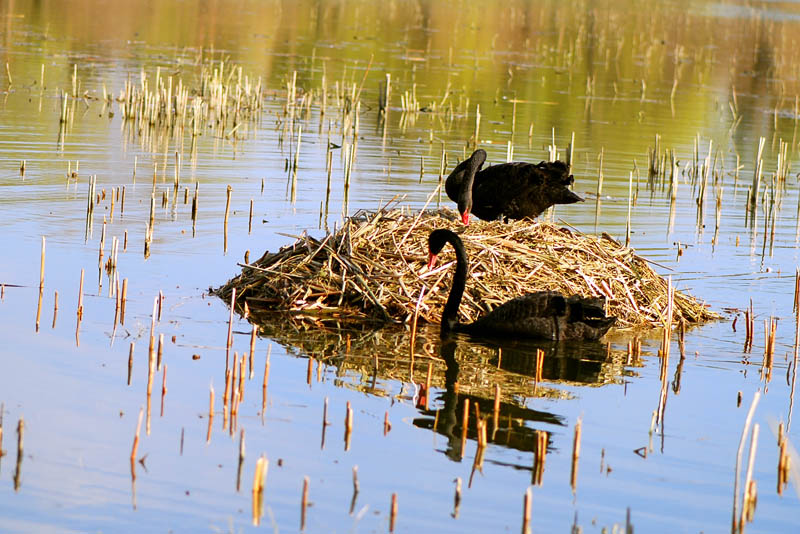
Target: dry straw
point(374, 268)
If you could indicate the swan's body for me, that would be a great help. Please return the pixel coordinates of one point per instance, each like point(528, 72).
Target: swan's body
point(542, 315)
point(508, 190)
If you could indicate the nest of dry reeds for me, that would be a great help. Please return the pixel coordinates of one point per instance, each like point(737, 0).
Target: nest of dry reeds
point(374, 267)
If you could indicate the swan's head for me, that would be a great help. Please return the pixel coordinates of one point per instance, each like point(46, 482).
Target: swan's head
point(431, 260)
point(464, 208)
point(436, 242)
point(472, 166)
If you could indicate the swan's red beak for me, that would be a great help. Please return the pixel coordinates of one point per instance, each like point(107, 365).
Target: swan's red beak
point(431, 260)
point(465, 218)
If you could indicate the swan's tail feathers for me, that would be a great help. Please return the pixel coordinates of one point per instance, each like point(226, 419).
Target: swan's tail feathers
point(601, 326)
point(568, 197)
point(583, 308)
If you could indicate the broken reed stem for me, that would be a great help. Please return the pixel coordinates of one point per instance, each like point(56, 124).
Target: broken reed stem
point(477, 125)
point(294, 164)
point(55, 308)
point(539, 365)
point(628, 220)
point(232, 400)
point(757, 171)
point(150, 375)
point(735, 516)
point(225, 399)
point(210, 413)
point(160, 351)
point(784, 460)
point(130, 362)
point(464, 423)
point(428, 379)
point(229, 339)
point(41, 270)
point(80, 311)
point(481, 430)
point(194, 208)
point(600, 174)
point(123, 301)
point(769, 346)
point(414, 333)
point(356, 489)
point(304, 504)
point(750, 495)
point(348, 426)
point(393, 513)
point(117, 299)
point(163, 388)
point(576, 451)
point(387, 426)
point(265, 383)
point(457, 498)
point(796, 301)
point(539, 457)
point(135, 446)
point(749, 327)
point(241, 460)
point(18, 469)
point(259, 480)
point(39, 307)
point(496, 408)
point(225, 222)
point(324, 422)
point(252, 350)
point(526, 511)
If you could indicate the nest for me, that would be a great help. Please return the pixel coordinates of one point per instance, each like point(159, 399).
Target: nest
point(374, 268)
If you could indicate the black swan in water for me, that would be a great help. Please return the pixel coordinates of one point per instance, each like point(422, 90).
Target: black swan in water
point(543, 315)
point(508, 190)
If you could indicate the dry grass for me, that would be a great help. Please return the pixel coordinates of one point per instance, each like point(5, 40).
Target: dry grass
point(373, 268)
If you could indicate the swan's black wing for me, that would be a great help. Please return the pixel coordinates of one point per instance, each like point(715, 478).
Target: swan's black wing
point(545, 315)
point(533, 315)
point(498, 186)
point(519, 190)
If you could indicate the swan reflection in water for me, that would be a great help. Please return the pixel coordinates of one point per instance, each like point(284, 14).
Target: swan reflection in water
point(584, 363)
point(376, 360)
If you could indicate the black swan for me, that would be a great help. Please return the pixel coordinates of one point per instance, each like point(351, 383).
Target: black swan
point(508, 190)
point(543, 315)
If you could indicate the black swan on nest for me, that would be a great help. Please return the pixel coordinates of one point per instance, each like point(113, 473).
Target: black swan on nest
point(508, 190)
point(543, 315)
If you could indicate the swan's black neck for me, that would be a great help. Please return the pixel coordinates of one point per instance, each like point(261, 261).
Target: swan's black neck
point(450, 313)
point(473, 165)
